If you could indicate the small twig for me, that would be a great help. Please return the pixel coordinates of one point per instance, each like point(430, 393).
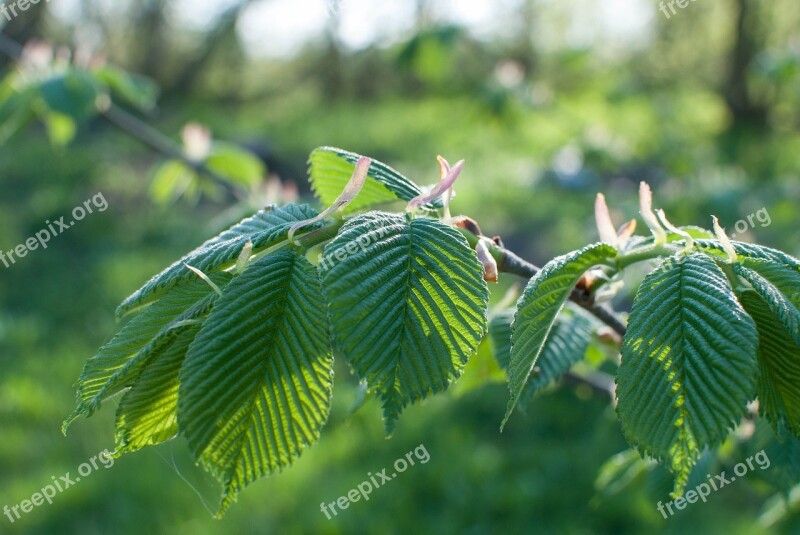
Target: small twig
point(510, 262)
point(159, 142)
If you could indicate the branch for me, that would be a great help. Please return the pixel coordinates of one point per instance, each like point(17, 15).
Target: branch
point(159, 142)
point(509, 262)
point(135, 127)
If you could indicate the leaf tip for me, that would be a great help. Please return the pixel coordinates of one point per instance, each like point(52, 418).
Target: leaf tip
point(602, 217)
point(646, 209)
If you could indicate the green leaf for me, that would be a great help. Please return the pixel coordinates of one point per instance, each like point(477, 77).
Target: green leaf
point(172, 180)
point(538, 308)
point(119, 362)
point(618, 472)
point(236, 164)
point(255, 388)
point(748, 250)
point(566, 345)
point(780, 274)
point(265, 229)
point(778, 386)
point(500, 335)
point(781, 308)
point(60, 128)
point(148, 412)
point(138, 90)
point(330, 169)
point(73, 93)
point(688, 364)
point(408, 304)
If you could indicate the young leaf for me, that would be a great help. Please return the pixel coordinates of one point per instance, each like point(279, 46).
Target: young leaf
point(500, 335)
point(148, 412)
point(748, 250)
point(539, 307)
point(688, 363)
point(255, 388)
point(72, 93)
point(778, 365)
point(235, 164)
point(265, 229)
point(567, 344)
point(408, 304)
point(138, 90)
point(330, 169)
point(781, 274)
point(781, 308)
point(119, 362)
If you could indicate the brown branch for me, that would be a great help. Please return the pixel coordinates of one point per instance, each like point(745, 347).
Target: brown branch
point(161, 143)
point(509, 262)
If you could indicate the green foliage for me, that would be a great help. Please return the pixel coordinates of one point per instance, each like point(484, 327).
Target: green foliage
point(566, 345)
point(122, 359)
point(330, 169)
point(267, 228)
point(174, 179)
point(64, 96)
point(256, 385)
point(408, 306)
point(539, 307)
point(236, 353)
point(134, 89)
point(232, 346)
point(688, 366)
point(778, 365)
point(73, 93)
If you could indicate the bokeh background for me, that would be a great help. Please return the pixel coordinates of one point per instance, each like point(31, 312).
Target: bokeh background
point(549, 102)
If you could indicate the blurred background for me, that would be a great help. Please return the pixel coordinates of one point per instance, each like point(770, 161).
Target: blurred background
point(549, 102)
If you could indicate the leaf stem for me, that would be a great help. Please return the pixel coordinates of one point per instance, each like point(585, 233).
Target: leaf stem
point(641, 255)
point(306, 240)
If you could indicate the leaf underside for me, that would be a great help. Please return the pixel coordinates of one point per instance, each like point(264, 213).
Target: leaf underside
point(538, 308)
point(566, 345)
point(778, 366)
point(118, 364)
